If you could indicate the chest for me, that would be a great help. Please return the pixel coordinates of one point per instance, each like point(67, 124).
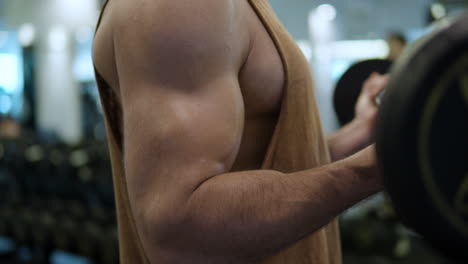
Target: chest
point(262, 82)
point(262, 78)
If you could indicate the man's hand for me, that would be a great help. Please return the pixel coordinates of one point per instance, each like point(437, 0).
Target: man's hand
point(366, 106)
point(360, 132)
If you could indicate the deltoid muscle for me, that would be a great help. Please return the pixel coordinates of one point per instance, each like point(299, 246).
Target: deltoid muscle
point(461, 202)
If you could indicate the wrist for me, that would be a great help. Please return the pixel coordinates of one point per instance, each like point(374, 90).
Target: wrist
point(364, 166)
point(363, 130)
point(353, 137)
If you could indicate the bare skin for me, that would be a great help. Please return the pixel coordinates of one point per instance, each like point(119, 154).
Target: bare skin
point(359, 133)
point(201, 84)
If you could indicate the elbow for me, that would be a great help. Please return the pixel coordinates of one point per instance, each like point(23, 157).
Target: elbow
point(196, 231)
point(167, 236)
point(168, 227)
point(204, 231)
point(177, 228)
point(179, 238)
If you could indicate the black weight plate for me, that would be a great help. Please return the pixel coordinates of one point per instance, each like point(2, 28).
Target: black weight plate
point(350, 84)
point(422, 142)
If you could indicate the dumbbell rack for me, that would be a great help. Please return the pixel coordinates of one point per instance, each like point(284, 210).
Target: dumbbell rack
point(58, 197)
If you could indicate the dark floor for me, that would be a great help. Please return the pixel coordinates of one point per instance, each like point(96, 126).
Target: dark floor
point(420, 254)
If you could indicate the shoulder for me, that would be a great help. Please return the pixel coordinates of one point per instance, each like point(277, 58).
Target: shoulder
point(182, 29)
point(178, 22)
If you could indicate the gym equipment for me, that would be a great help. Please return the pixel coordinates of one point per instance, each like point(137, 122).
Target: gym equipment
point(349, 87)
point(55, 196)
point(422, 137)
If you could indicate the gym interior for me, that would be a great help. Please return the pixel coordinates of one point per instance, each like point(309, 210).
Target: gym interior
point(56, 187)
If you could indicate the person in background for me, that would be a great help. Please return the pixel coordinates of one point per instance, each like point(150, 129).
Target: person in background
point(396, 43)
point(9, 127)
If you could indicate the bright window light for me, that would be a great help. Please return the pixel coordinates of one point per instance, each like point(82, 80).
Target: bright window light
point(9, 72)
point(3, 38)
point(326, 12)
point(306, 49)
point(359, 49)
point(5, 104)
point(84, 34)
point(58, 38)
point(339, 67)
point(26, 34)
point(438, 11)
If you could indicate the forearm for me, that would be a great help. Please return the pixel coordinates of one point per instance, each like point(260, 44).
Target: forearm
point(349, 139)
point(250, 215)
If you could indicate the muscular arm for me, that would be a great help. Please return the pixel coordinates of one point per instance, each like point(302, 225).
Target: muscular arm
point(359, 133)
point(183, 122)
point(349, 139)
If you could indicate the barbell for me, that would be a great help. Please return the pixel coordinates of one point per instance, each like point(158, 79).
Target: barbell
point(422, 137)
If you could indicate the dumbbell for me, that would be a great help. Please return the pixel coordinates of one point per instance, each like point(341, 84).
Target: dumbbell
point(88, 239)
point(35, 168)
point(21, 226)
point(55, 177)
point(5, 219)
point(422, 137)
point(65, 233)
point(78, 210)
point(108, 246)
point(43, 231)
point(99, 214)
point(104, 186)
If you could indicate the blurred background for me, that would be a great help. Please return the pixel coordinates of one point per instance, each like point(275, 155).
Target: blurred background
point(56, 196)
